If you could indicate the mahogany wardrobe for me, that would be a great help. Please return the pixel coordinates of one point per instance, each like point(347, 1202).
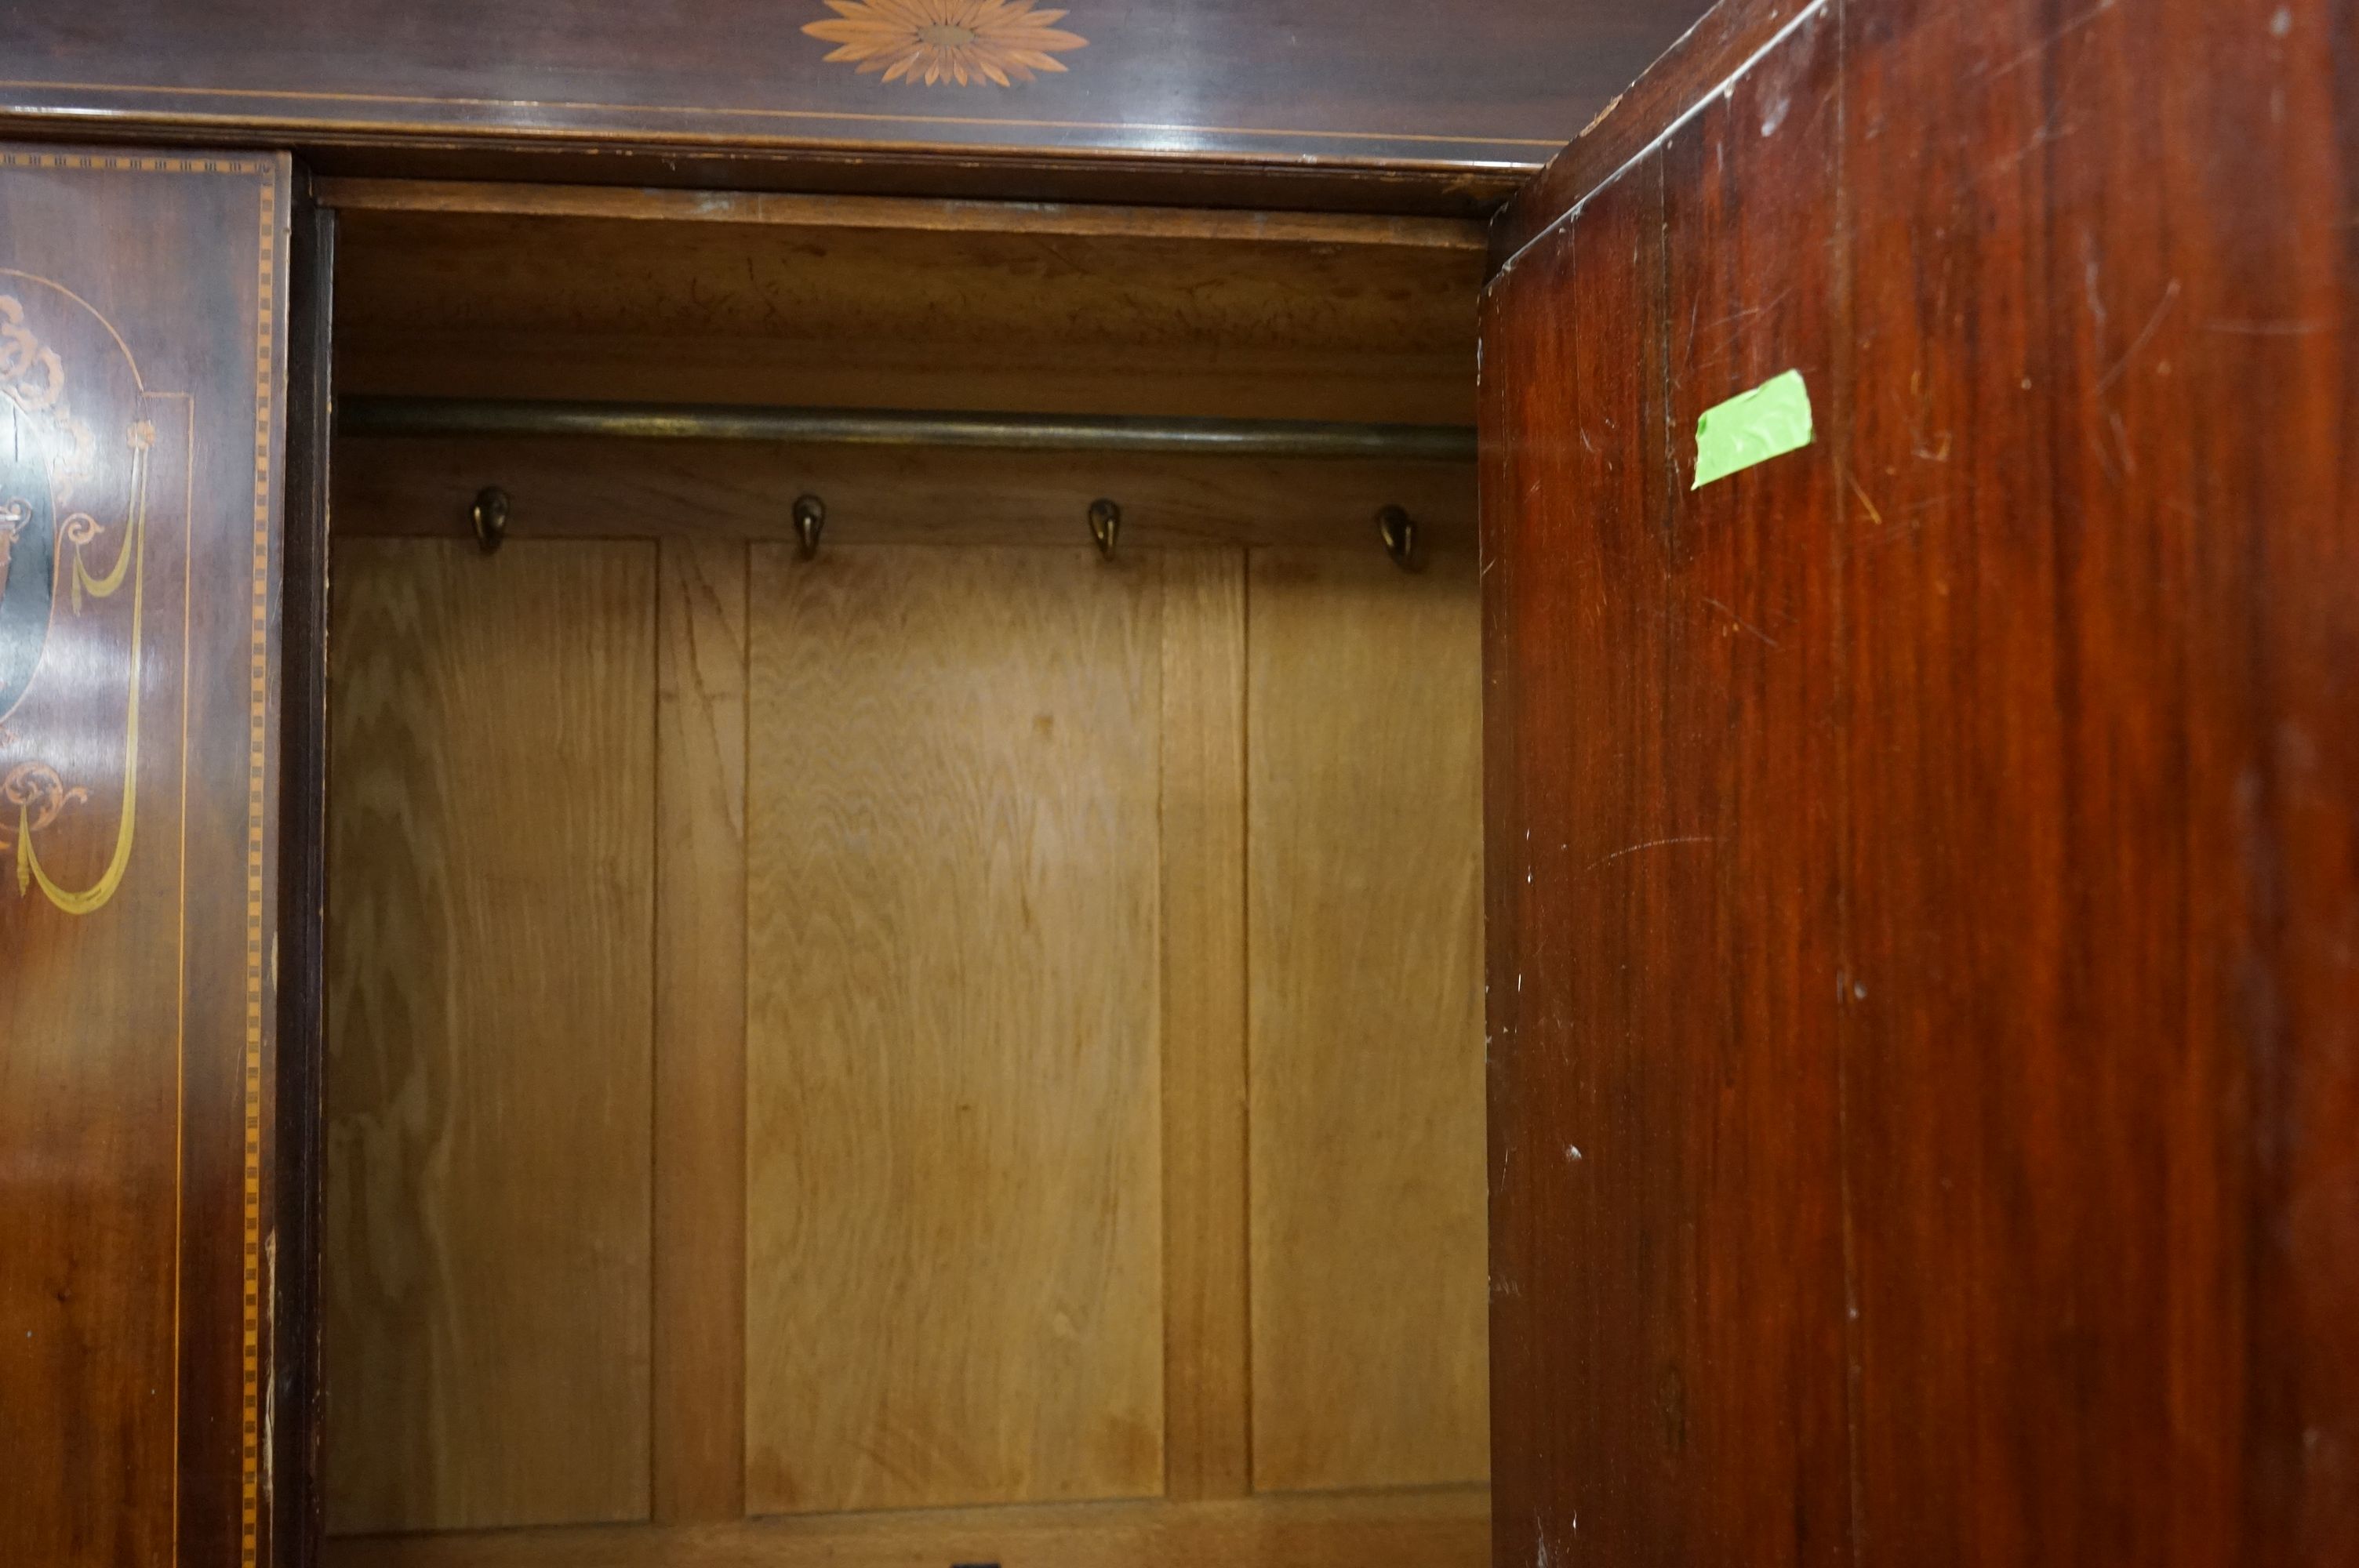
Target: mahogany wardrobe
point(937, 783)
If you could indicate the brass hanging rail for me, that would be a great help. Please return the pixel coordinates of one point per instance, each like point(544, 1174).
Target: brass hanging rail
point(381, 416)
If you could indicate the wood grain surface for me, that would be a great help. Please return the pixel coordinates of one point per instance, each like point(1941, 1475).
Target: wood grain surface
point(1918, 863)
point(492, 896)
point(1672, 1069)
point(699, 1330)
point(949, 1163)
point(1443, 1529)
point(1156, 317)
point(954, 1261)
point(1206, 1327)
point(1363, 886)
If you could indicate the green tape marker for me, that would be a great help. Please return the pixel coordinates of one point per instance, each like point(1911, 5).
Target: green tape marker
point(1752, 427)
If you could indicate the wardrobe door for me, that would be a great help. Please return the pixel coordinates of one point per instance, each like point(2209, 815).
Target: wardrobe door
point(1923, 653)
point(147, 1280)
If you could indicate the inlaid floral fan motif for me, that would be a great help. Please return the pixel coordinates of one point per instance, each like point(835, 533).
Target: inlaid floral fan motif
point(933, 41)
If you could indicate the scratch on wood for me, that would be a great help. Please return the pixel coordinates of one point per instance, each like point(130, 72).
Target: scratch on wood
point(1650, 844)
point(2153, 325)
point(2070, 26)
point(1852, 479)
point(2269, 328)
point(1742, 622)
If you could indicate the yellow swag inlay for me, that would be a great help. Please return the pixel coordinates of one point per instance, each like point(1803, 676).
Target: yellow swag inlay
point(133, 556)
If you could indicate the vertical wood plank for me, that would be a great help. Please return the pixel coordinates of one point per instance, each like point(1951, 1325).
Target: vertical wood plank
point(492, 893)
point(699, 1041)
point(1737, 1142)
point(1668, 1268)
point(297, 1396)
point(1364, 866)
point(954, 1287)
point(1575, 748)
point(1206, 1356)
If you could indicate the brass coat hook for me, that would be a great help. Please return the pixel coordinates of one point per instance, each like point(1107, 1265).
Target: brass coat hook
point(490, 518)
point(811, 521)
point(1397, 529)
point(1106, 526)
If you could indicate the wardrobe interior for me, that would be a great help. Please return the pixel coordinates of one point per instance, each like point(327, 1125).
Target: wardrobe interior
point(960, 1048)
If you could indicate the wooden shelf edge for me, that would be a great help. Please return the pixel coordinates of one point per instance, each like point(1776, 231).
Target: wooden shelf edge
point(1443, 1528)
point(900, 213)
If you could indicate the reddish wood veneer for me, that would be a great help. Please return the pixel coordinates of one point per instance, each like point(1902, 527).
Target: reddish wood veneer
point(1922, 865)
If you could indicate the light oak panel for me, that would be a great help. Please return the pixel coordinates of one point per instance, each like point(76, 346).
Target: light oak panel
point(1206, 1364)
point(700, 1065)
point(1364, 860)
point(491, 862)
point(954, 1288)
point(1440, 1529)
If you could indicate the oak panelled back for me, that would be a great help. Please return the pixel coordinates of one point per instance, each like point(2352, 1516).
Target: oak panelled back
point(947, 1154)
point(143, 309)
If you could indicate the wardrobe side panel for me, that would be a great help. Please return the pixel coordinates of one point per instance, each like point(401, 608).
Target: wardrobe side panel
point(1927, 878)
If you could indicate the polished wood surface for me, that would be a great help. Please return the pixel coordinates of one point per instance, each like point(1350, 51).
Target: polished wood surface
point(491, 900)
point(1668, 1309)
point(1445, 1528)
point(954, 1261)
point(2176, 849)
point(143, 306)
point(1404, 103)
point(1722, 45)
point(1362, 886)
point(1920, 1018)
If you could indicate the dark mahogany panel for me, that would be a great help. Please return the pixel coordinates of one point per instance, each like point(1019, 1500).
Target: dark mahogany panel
point(1924, 866)
point(1668, 1290)
point(143, 307)
point(1476, 93)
